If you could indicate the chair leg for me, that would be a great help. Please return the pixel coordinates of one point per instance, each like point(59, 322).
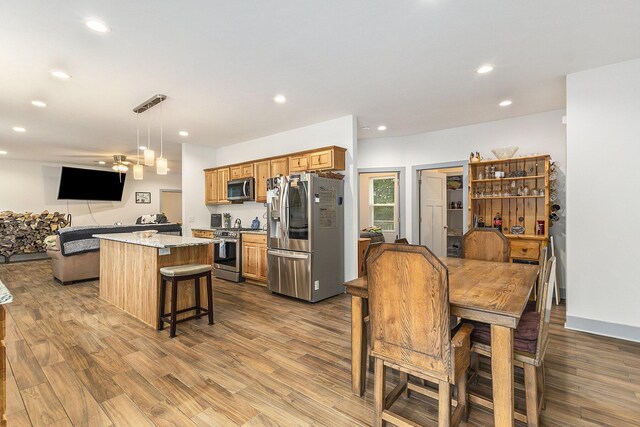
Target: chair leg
point(210, 298)
point(196, 290)
point(531, 394)
point(378, 393)
point(475, 367)
point(163, 294)
point(462, 396)
point(174, 306)
point(543, 381)
point(444, 404)
point(404, 379)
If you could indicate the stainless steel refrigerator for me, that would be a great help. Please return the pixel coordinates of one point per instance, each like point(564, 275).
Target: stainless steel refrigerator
point(305, 236)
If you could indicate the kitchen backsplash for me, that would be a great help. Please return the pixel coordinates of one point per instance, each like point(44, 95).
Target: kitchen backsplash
point(247, 212)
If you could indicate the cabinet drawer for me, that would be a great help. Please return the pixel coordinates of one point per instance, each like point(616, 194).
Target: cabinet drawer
point(254, 238)
point(204, 234)
point(321, 160)
point(299, 163)
point(524, 249)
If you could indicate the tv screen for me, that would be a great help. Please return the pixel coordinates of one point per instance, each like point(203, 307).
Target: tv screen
point(90, 184)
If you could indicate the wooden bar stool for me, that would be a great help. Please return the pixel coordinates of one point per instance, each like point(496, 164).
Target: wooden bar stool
point(181, 273)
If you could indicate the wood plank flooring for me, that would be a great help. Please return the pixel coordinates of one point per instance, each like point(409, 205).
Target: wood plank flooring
point(77, 360)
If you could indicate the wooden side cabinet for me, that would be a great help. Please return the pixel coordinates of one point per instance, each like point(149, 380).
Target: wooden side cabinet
point(254, 257)
point(223, 177)
point(279, 167)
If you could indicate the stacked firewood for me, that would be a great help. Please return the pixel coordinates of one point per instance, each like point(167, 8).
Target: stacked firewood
point(24, 233)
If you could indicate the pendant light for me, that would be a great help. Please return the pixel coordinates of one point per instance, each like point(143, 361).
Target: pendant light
point(149, 154)
point(138, 169)
point(161, 162)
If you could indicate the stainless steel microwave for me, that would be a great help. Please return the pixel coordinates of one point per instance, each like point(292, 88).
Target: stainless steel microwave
point(240, 190)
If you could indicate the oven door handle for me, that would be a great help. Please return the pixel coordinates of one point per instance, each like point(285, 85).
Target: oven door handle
point(285, 254)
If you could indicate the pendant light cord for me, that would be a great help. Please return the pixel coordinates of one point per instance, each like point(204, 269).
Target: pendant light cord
point(138, 136)
point(148, 131)
point(161, 130)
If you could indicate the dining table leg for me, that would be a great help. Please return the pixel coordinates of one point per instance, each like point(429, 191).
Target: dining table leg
point(358, 345)
point(502, 375)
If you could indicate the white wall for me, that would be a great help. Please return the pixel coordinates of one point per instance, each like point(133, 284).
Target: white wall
point(195, 159)
point(340, 132)
point(603, 148)
point(33, 187)
point(541, 133)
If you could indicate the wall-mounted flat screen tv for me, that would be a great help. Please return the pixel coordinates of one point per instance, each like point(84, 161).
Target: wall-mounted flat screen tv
point(90, 184)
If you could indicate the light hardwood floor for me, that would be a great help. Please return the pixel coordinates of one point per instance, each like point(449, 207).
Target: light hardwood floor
point(77, 360)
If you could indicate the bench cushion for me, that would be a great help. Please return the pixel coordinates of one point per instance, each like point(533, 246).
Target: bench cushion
point(185, 270)
point(525, 337)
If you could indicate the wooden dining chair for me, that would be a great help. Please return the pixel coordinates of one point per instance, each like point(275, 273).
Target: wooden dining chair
point(402, 241)
point(410, 331)
point(485, 244)
point(530, 345)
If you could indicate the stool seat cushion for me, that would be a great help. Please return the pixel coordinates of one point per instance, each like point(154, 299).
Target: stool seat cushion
point(185, 270)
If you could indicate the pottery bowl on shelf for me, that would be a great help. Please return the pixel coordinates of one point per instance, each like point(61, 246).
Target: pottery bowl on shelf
point(146, 233)
point(504, 152)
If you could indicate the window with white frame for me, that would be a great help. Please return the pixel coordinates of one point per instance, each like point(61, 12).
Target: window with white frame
point(382, 202)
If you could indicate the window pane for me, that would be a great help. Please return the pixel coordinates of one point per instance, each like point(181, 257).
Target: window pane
point(383, 191)
point(383, 213)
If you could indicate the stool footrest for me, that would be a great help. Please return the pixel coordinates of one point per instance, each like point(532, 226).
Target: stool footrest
point(167, 317)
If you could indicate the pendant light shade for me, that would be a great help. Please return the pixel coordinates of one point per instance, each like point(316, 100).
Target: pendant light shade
point(138, 171)
point(149, 157)
point(161, 164)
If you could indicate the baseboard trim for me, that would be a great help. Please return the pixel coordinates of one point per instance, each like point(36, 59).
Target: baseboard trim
point(599, 327)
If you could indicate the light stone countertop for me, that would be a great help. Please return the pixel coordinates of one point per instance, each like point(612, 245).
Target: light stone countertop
point(263, 232)
point(5, 295)
point(161, 241)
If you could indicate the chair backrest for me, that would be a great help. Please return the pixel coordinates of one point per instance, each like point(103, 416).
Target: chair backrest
point(485, 244)
point(371, 250)
point(409, 308)
point(542, 263)
point(402, 241)
point(546, 301)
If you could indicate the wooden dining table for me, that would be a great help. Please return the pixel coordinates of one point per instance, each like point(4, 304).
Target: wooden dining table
point(491, 292)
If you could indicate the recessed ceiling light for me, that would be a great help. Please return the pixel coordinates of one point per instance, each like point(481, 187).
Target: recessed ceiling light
point(143, 147)
point(183, 133)
point(365, 128)
point(19, 129)
point(505, 103)
point(280, 99)
point(102, 162)
point(2, 152)
point(98, 26)
point(487, 68)
point(382, 127)
point(40, 104)
point(60, 74)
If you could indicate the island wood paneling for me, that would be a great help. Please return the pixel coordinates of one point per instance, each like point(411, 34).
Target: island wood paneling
point(130, 277)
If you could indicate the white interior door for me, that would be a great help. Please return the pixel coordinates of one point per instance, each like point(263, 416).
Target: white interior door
point(433, 211)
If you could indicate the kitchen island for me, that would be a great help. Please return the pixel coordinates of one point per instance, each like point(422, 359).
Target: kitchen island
point(130, 271)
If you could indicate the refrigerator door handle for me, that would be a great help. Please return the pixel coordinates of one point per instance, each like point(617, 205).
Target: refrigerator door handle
point(286, 254)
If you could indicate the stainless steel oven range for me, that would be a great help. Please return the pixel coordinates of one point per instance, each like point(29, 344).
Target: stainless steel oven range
point(227, 256)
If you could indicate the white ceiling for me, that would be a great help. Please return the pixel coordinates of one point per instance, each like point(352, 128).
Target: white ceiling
point(407, 64)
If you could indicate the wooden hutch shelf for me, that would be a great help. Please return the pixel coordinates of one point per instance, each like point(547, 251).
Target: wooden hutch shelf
point(489, 196)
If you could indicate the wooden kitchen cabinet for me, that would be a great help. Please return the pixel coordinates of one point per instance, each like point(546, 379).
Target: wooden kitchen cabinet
point(254, 257)
point(279, 167)
point(241, 171)
point(299, 163)
point(223, 177)
point(211, 187)
point(321, 160)
point(261, 171)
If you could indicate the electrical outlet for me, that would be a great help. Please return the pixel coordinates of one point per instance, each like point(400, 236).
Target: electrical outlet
point(317, 285)
point(192, 219)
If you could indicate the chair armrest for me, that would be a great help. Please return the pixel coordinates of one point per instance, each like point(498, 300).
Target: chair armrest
point(463, 336)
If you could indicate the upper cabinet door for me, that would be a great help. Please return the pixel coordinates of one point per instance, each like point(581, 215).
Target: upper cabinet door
point(261, 175)
point(247, 170)
point(223, 177)
point(299, 163)
point(211, 187)
point(321, 160)
point(235, 172)
point(279, 167)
